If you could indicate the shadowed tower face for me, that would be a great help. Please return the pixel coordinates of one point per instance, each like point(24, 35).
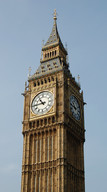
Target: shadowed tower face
point(53, 124)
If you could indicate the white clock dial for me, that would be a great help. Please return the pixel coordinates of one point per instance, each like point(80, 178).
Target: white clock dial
point(75, 107)
point(42, 102)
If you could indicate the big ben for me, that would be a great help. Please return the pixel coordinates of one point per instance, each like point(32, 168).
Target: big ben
point(53, 124)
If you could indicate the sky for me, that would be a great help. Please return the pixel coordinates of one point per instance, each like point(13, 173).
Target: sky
point(82, 24)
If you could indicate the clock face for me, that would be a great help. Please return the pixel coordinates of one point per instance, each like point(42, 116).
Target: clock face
point(75, 107)
point(42, 103)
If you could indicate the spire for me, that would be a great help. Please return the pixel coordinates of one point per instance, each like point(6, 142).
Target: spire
point(54, 38)
point(54, 55)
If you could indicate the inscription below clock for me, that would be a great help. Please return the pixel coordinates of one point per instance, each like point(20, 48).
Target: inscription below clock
point(75, 107)
point(42, 103)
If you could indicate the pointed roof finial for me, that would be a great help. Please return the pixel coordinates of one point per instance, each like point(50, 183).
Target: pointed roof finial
point(79, 80)
point(55, 15)
point(29, 72)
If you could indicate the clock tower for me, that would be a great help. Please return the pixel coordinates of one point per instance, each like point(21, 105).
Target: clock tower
point(53, 124)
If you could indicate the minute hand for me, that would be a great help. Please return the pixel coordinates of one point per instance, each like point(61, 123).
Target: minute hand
point(39, 104)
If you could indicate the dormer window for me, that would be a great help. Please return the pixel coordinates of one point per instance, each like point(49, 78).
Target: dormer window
point(42, 67)
point(38, 83)
point(41, 82)
point(49, 79)
point(34, 84)
point(43, 71)
point(48, 65)
point(54, 63)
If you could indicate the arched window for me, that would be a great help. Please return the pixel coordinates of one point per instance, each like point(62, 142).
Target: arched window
point(45, 121)
point(31, 149)
point(49, 120)
point(47, 183)
point(38, 83)
point(36, 150)
point(49, 79)
point(41, 122)
point(39, 183)
point(52, 78)
point(53, 119)
point(34, 84)
point(37, 123)
point(51, 182)
point(51, 146)
point(30, 125)
point(34, 124)
point(35, 183)
point(47, 147)
point(39, 150)
point(52, 53)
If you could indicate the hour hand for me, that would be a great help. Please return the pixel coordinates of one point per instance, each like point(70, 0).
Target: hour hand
point(73, 105)
point(42, 101)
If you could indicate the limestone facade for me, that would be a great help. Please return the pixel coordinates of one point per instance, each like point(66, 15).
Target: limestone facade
point(53, 143)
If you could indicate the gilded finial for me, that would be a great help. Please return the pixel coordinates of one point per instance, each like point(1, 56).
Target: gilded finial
point(25, 85)
point(55, 15)
point(42, 42)
point(29, 71)
point(78, 79)
point(66, 47)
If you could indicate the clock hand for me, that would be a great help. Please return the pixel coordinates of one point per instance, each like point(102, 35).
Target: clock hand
point(37, 104)
point(42, 101)
point(73, 106)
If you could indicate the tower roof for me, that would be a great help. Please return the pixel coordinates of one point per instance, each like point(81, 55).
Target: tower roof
point(55, 62)
point(54, 38)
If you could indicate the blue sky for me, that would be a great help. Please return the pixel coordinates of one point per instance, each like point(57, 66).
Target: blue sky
point(83, 26)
